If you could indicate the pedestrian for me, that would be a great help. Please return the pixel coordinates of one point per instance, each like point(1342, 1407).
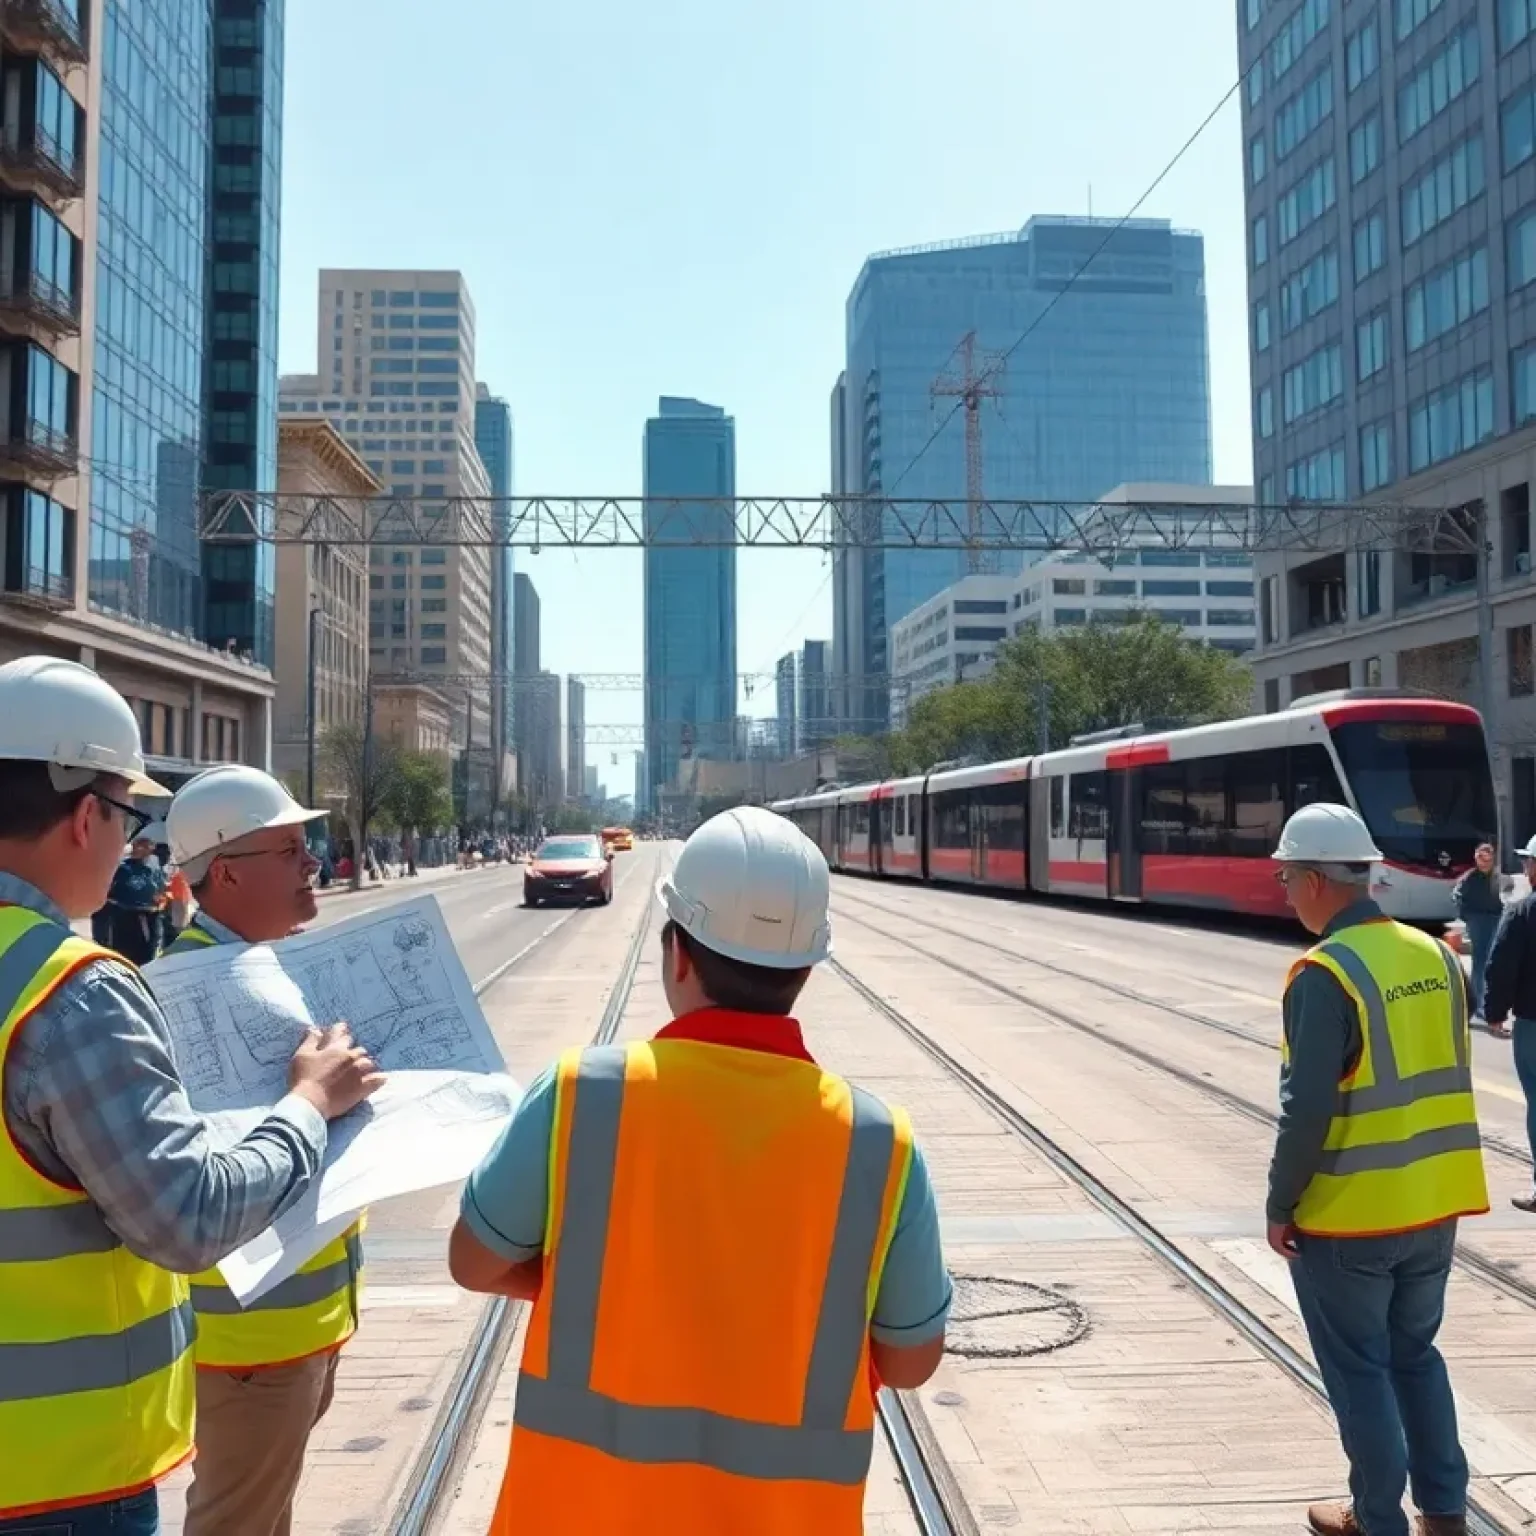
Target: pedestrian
point(1509, 992)
point(722, 1228)
point(1478, 898)
point(136, 902)
point(112, 1188)
point(265, 1373)
point(1376, 1159)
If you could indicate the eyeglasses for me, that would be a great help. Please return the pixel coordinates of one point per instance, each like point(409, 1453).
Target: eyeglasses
point(134, 820)
point(290, 853)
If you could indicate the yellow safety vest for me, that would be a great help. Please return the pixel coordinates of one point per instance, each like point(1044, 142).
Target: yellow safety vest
point(96, 1381)
point(312, 1311)
point(1403, 1150)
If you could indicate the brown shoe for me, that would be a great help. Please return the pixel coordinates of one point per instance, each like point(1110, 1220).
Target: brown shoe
point(1442, 1525)
point(1334, 1520)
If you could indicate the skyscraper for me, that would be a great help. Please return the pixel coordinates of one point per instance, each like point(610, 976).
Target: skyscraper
point(525, 669)
point(493, 439)
point(575, 737)
point(786, 703)
point(1110, 385)
point(814, 726)
point(396, 377)
point(690, 588)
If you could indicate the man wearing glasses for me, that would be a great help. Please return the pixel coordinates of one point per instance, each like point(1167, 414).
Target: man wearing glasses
point(265, 1374)
point(111, 1189)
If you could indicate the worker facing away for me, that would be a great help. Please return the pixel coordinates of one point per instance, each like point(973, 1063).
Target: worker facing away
point(111, 1188)
point(265, 1374)
point(720, 1238)
point(1376, 1158)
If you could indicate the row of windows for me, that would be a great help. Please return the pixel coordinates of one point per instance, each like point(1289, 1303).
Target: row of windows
point(1310, 291)
point(397, 365)
point(399, 298)
point(1318, 477)
point(1450, 421)
point(1445, 77)
point(1412, 14)
point(402, 583)
point(410, 343)
point(1304, 23)
point(1300, 116)
point(1186, 588)
point(432, 554)
point(1364, 148)
point(1448, 297)
point(1307, 201)
point(1315, 382)
point(1516, 19)
point(1362, 55)
point(1450, 184)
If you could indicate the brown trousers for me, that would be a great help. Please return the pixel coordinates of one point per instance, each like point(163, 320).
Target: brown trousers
point(252, 1429)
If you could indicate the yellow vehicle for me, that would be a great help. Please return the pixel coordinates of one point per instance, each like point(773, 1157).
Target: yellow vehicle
point(619, 839)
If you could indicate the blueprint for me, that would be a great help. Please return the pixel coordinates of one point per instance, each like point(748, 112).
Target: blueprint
point(238, 1012)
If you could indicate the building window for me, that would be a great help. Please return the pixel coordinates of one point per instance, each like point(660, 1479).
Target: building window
point(1370, 245)
point(1433, 88)
point(1256, 166)
point(1229, 589)
point(1517, 649)
point(41, 397)
point(1523, 383)
point(1299, 117)
point(1447, 186)
point(1375, 456)
point(1518, 119)
point(1307, 201)
point(438, 300)
point(39, 258)
point(434, 554)
point(1114, 589)
point(1261, 240)
point(1515, 18)
point(434, 631)
point(1521, 243)
point(1065, 587)
point(1362, 55)
point(1315, 382)
point(433, 655)
point(1310, 291)
point(1318, 477)
point(1269, 609)
point(1261, 326)
point(1446, 298)
point(1306, 22)
point(1170, 589)
point(399, 583)
point(434, 605)
point(1450, 421)
point(1265, 413)
point(434, 583)
point(1253, 13)
point(1368, 582)
point(1371, 346)
point(39, 545)
point(1364, 148)
point(1412, 14)
point(1229, 618)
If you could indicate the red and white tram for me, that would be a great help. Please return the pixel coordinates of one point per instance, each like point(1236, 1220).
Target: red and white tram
point(1186, 818)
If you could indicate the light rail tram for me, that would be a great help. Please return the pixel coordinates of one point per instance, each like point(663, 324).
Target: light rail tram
point(1186, 818)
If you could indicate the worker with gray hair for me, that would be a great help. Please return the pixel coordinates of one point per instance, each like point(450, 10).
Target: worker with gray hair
point(1376, 1157)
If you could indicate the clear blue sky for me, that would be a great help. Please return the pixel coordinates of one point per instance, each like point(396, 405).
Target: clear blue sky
point(675, 198)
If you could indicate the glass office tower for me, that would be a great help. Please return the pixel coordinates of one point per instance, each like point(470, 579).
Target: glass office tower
point(493, 440)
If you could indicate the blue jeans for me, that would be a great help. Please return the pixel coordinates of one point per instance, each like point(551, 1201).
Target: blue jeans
point(1372, 1306)
point(1525, 1070)
point(137, 1515)
point(1481, 927)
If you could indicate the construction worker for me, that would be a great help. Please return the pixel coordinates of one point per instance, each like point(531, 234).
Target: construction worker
point(1377, 1157)
point(1509, 997)
point(111, 1188)
point(265, 1374)
point(720, 1238)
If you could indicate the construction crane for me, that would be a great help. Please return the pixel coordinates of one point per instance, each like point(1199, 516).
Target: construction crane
point(960, 379)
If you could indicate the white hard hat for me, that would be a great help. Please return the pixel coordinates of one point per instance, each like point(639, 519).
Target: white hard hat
point(59, 712)
point(224, 804)
point(154, 833)
point(1528, 852)
point(753, 887)
point(1326, 834)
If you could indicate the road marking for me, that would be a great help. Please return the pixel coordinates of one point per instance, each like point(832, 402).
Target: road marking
point(1498, 1090)
point(501, 970)
point(505, 906)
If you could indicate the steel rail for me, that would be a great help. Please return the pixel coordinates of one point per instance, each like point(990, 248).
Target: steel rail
point(932, 1493)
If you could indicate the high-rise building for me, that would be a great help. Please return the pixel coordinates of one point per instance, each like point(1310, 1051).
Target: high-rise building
point(1111, 385)
point(493, 439)
point(591, 790)
point(1390, 167)
point(526, 665)
point(786, 702)
point(814, 725)
point(396, 377)
point(575, 737)
point(690, 589)
point(547, 781)
point(107, 211)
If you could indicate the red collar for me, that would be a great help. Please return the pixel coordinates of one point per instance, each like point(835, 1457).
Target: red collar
point(772, 1034)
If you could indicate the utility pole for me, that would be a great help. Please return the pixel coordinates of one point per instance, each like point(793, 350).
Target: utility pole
point(1042, 717)
point(964, 383)
point(1485, 681)
point(310, 722)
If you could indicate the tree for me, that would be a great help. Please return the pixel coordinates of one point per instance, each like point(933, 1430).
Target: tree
point(364, 768)
point(419, 798)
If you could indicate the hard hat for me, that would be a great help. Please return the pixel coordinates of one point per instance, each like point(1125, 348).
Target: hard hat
point(1326, 834)
point(1528, 852)
point(753, 887)
point(154, 833)
point(227, 803)
point(61, 713)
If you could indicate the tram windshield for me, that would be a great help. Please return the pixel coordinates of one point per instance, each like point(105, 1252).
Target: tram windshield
point(1424, 788)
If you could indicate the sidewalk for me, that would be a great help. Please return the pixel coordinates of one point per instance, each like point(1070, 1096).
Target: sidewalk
point(425, 877)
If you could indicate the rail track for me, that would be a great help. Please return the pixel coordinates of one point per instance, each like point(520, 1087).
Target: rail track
point(1481, 1521)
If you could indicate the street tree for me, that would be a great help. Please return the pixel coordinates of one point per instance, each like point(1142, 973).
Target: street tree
point(419, 798)
point(364, 769)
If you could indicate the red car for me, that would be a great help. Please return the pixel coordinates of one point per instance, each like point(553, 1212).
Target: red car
point(572, 868)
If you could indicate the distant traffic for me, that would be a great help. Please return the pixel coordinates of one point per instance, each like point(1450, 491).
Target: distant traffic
point(1186, 818)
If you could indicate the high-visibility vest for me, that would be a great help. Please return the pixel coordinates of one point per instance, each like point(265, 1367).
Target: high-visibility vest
point(1403, 1150)
point(698, 1357)
point(312, 1311)
point(96, 1380)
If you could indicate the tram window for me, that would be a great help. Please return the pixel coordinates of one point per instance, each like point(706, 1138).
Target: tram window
point(1205, 805)
point(858, 819)
point(1162, 808)
point(1058, 808)
point(1090, 815)
point(1257, 784)
point(1313, 778)
point(951, 820)
point(1004, 805)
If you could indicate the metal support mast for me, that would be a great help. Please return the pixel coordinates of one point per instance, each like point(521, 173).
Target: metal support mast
point(964, 383)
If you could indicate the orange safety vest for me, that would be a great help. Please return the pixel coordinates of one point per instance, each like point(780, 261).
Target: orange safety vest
point(680, 1372)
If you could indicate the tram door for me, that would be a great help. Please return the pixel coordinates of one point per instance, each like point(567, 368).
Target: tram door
point(978, 825)
point(1124, 830)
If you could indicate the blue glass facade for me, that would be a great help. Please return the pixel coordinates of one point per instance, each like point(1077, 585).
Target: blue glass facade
point(151, 300)
point(690, 590)
point(1111, 385)
point(241, 361)
point(493, 439)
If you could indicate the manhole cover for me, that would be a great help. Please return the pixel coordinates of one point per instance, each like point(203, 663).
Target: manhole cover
point(998, 1319)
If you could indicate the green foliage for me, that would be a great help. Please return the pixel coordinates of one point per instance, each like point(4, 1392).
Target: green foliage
point(419, 797)
point(364, 769)
point(1095, 678)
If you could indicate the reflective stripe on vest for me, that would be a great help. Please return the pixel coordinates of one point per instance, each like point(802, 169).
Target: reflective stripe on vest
point(312, 1311)
point(96, 1382)
point(830, 1437)
point(1403, 1150)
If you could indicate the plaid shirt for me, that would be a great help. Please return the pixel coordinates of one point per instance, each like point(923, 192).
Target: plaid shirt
point(92, 1097)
